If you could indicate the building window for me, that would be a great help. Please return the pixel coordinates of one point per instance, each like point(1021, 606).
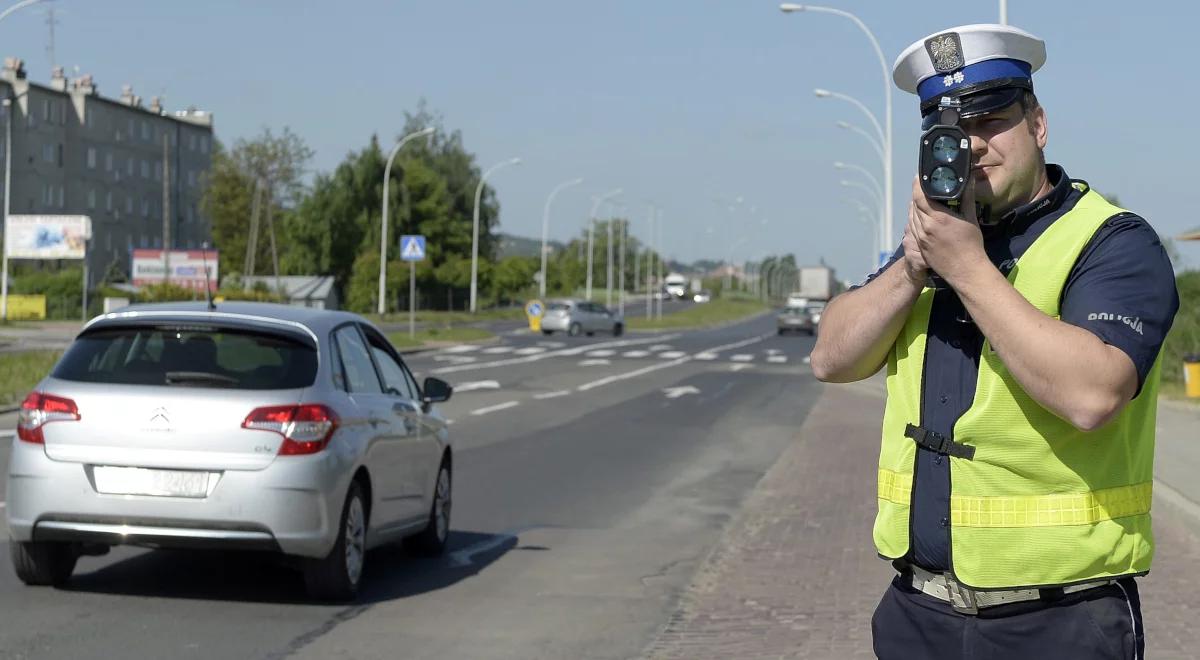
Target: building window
point(158, 171)
point(203, 144)
point(92, 199)
point(145, 208)
point(191, 178)
point(118, 135)
point(130, 132)
point(48, 153)
point(31, 120)
point(108, 201)
point(129, 207)
point(46, 110)
point(117, 174)
point(47, 194)
point(129, 167)
point(143, 241)
point(60, 155)
point(191, 141)
point(62, 196)
point(145, 131)
point(145, 169)
point(91, 158)
point(108, 161)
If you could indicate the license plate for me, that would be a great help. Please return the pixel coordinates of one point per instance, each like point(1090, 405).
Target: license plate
point(143, 481)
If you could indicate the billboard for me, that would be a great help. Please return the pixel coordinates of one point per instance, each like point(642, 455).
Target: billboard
point(187, 268)
point(47, 236)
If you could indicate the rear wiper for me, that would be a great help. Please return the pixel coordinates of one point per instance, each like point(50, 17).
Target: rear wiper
point(186, 377)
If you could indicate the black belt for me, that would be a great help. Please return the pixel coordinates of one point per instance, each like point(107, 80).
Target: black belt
point(936, 442)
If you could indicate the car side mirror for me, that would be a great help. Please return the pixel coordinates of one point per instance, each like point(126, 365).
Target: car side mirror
point(435, 390)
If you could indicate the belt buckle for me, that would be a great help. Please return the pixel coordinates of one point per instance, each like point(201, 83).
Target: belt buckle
point(962, 599)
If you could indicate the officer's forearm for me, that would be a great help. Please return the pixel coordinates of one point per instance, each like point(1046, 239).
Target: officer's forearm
point(859, 327)
point(1066, 369)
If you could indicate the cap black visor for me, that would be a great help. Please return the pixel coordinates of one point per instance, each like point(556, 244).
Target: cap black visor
point(975, 103)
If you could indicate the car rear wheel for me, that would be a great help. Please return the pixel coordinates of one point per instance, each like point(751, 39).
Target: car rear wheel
point(431, 542)
point(618, 330)
point(43, 563)
point(574, 330)
point(547, 332)
point(337, 576)
point(781, 331)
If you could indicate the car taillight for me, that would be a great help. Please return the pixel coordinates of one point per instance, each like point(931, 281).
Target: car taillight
point(306, 428)
point(39, 409)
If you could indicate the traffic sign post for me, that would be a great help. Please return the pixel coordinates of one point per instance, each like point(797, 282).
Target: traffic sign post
point(533, 311)
point(412, 250)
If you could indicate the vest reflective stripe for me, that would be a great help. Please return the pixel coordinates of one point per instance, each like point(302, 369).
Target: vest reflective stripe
point(1041, 503)
point(1029, 510)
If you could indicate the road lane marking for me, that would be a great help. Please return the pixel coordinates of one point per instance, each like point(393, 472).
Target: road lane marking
point(551, 344)
point(551, 395)
point(742, 357)
point(632, 374)
point(542, 356)
point(500, 406)
point(595, 362)
point(777, 359)
point(529, 350)
point(601, 353)
point(497, 350)
point(461, 348)
point(740, 366)
point(477, 385)
point(635, 354)
point(454, 359)
point(660, 347)
point(705, 356)
point(671, 355)
point(676, 392)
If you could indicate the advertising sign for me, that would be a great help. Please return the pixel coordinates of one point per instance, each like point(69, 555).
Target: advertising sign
point(47, 236)
point(27, 308)
point(187, 268)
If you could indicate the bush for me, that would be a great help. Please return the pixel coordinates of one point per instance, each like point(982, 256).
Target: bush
point(1184, 339)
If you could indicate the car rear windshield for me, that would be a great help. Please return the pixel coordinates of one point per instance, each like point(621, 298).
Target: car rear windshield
point(189, 356)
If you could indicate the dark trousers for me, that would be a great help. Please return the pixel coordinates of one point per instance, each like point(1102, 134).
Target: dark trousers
point(1095, 624)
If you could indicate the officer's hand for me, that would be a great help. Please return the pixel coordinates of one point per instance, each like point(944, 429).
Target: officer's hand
point(951, 243)
point(915, 268)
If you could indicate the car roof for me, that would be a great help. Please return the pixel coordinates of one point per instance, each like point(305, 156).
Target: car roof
point(311, 320)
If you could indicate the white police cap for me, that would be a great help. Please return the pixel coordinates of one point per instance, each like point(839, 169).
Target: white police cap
point(968, 59)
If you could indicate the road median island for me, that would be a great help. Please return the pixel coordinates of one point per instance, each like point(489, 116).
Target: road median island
point(704, 315)
point(429, 338)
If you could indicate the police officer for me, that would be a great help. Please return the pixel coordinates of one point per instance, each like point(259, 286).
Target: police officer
point(1016, 463)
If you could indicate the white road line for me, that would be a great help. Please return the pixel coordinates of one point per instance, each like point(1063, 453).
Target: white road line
point(635, 354)
point(454, 359)
point(461, 348)
point(777, 359)
point(705, 356)
point(632, 374)
point(671, 355)
point(601, 353)
point(529, 350)
point(476, 385)
point(594, 362)
point(739, 366)
point(551, 344)
point(739, 344)
point(742, 357)
point(660, 347)
point(551, 395)
point(500, 406)
point(8, 432)
point(542, 356)
point(497, 350)
point(773, 351)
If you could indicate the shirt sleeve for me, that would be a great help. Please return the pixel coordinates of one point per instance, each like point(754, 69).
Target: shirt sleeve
point(896, 256)
point(1122, 289)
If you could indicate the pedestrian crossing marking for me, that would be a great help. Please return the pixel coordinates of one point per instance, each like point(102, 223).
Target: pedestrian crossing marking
point(777, 359)
point(705, 356)
point(531, 350)
point(497, 350)
point(741, 357)
point(671, 355)
point(635, 354)
point(601, 353)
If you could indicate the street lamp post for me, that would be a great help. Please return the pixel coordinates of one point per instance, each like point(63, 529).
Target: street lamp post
point(383, 225)
point(546, 228)
point(596, 202)
point(861, 170)
point(878, 146)
point(857, 184)
point(887, 97)
point(475, 226)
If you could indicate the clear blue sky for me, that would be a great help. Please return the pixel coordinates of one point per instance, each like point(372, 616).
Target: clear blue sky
point(678, 102)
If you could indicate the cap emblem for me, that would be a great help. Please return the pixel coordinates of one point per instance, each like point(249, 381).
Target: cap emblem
point(945, 51)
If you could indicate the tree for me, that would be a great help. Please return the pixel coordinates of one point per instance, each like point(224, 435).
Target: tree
point(513, 278)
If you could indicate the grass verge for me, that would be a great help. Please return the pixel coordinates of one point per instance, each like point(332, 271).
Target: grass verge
point(401, 340)
point(451, 318)
point(718, 311)
point(20, 371)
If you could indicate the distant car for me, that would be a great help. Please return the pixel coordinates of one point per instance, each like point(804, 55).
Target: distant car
point(576, 317)
point(796, 319)
point(255, 426)
point(796, 300)
point(702, 297)
point(815, 309)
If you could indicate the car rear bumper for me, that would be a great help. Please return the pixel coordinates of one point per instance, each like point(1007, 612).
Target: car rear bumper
point(292, 506)
point(558, 323)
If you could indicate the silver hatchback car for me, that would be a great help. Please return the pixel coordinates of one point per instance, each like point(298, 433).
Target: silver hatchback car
point(247, 425)
point(576, 317)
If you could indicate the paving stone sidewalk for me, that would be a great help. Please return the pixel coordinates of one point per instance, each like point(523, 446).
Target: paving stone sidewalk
point(796, 574)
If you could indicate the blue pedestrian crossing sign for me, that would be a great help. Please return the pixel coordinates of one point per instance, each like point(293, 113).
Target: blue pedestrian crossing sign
point(412, 248)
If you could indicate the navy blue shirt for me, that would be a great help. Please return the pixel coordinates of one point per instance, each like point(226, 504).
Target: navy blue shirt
point(1122, 289)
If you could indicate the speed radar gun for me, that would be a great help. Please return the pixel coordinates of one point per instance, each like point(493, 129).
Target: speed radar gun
point(945, 162)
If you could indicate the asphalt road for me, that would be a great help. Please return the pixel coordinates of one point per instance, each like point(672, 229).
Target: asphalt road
point(592, 475)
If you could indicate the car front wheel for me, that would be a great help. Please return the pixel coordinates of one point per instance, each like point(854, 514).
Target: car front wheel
point(337, 576)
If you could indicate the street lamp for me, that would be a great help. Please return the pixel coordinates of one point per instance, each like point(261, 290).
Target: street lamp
point(861, 170)
point(546, 228)
point(383, 225)
point(596, 202)
point(475, 226)
point(789, 8)
point(863, 186)
point(879, 147)
point(826, 94)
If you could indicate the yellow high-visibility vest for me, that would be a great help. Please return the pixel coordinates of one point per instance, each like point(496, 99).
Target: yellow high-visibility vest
point(1039, 502)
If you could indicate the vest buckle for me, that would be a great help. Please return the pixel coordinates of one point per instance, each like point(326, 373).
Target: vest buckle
point(938, 443)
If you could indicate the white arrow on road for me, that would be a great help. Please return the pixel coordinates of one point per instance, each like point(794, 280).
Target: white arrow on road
point(676, 392)
point(477, 385)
